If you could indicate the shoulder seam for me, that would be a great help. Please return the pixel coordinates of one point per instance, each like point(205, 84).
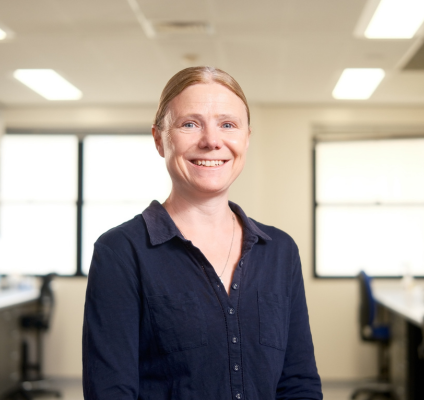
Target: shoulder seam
point(118, 257)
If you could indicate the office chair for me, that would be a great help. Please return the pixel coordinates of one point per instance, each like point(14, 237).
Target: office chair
point(372, 331)
point(32, 383)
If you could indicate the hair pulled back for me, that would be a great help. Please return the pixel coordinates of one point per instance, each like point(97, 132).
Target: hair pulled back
point(192, 76)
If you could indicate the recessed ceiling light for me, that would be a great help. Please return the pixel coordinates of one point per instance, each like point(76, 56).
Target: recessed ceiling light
point(48, 83)
point(358, 83)
point(396, 19)
point(3, 34)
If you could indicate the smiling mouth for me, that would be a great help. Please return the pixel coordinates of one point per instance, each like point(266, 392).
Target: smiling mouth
point(208, 163)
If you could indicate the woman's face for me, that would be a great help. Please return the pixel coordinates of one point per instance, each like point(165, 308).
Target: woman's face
point(205, 139)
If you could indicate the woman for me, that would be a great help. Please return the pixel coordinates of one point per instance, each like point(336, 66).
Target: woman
point(192, 299)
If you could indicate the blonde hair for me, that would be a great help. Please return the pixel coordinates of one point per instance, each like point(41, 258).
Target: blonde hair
point(192, 76)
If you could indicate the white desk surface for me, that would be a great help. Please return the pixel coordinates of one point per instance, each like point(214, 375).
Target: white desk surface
point(11, 297)
point(407, 303)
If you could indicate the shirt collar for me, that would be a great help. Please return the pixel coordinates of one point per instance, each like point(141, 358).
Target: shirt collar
point(162, 228)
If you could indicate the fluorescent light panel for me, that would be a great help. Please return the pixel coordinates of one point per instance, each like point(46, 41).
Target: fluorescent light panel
point(396, 19)
point(5, 32)
point(48, 83)
point(358, 83)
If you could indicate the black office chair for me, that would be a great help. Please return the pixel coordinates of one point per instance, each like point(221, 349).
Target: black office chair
point(32, 383)
point(372, 331)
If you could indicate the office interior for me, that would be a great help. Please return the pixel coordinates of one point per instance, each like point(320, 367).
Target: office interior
point(287, 55)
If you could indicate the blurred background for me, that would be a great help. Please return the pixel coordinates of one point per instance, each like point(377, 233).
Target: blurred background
point(336, 155)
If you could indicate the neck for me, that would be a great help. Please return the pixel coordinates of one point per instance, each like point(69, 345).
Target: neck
point(197, 212)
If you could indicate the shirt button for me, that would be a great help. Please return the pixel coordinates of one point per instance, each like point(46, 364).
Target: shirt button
point(235, 286)
point(241, 262)
point(236, 367)
point(234, 339)
point(231, 311)
point(239, 395)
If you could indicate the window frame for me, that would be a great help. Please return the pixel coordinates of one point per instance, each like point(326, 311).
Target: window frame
point(335, 135)
point(81, 135)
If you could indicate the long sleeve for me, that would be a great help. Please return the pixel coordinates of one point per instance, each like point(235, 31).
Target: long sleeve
point(111, 329)
point(300, 379)
point(158, 324)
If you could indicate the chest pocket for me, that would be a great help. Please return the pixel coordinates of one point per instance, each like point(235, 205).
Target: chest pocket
point(178, 321)
point(273, 319)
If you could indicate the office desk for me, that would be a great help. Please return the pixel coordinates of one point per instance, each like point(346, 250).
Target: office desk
point(13, 304)
point(406, 318)
point(407, 304)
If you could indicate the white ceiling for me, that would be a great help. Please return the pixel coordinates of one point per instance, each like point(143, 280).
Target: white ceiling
point(280, 51)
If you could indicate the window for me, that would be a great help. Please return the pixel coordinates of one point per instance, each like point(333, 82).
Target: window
point(369, 207)
point(122, 175)
point(58, 194)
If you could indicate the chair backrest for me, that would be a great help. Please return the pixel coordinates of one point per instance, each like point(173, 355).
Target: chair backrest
point(367, 308)
point(46, 300)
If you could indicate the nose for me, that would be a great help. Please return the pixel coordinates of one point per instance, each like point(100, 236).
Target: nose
point(211, 138)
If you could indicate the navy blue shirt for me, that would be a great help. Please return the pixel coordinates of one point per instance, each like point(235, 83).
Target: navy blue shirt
point(160, 325)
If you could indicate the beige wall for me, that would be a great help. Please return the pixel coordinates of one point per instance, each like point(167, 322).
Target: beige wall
point(280, 176)
point(1, 125)
point(275, 188)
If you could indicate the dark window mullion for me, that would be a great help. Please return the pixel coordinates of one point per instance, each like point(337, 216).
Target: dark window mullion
point(79, 208)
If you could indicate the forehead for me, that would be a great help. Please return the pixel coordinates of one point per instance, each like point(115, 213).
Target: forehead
point(207, 98)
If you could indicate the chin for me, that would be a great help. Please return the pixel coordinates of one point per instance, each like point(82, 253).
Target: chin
point(211, 189)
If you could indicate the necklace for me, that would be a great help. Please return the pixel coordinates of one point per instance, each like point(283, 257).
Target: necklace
point(231, 245)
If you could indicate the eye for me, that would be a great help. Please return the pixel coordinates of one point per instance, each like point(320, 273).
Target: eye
point(227, 125)
point(189, 125)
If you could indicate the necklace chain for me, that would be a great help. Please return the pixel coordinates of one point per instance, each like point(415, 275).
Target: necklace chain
point(231, 245)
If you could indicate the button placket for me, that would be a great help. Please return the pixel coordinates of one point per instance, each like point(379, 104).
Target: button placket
point(234, 334)
point(230, 303)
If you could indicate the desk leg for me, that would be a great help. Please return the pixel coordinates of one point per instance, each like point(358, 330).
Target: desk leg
point(407, 370)
point(398, 356)
point(416, 365)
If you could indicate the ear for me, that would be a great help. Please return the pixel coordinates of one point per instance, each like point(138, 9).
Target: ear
point(248, 138)
point(158, 140)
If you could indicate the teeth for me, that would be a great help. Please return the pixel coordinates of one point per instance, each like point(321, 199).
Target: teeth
point(208, 163)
